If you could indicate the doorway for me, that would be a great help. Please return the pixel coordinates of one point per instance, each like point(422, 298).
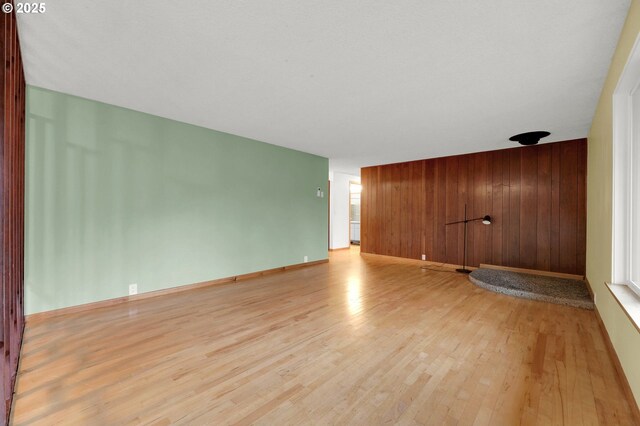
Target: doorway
point(355, 190)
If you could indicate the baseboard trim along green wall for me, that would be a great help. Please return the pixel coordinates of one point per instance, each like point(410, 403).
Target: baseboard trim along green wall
point(46, 315)
point(116, 197)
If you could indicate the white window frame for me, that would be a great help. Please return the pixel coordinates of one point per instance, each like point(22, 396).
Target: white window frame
point(624, 155)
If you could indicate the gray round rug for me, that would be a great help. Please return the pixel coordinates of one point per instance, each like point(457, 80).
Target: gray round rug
point(562, 291)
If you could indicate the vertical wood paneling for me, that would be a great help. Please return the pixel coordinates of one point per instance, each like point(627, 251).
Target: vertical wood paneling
point(488, 230)
point(453, 210)
point(478, 202)
point(379, 216)
point(468, 162)
point(12, 151)
point(394, 215)
point(515, 176)
point(581, 232)
point(568, 207)
point(428, 208)
point(406, 237)
point(415, 201)
point(543, 206)
point(535, 195)
point(365, 209)
point(506, 199)
point(439, 246)
point(528, 204)
point(462, 174)
point(554, 246)
point(385, 231)
point(498, 222)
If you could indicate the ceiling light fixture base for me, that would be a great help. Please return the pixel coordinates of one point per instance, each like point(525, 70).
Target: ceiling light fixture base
point(529, 138)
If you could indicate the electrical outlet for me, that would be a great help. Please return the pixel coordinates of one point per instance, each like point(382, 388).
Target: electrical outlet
point(133, 289)
point(306, 259)
point(424, 257)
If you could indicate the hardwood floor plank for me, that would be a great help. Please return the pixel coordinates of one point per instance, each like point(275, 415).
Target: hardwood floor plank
point(364, 339)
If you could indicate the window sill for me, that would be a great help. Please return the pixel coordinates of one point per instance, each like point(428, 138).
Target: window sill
point(628, 301)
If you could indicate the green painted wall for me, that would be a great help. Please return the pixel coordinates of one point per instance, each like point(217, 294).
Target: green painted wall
point(625, 338)
point(116, 196)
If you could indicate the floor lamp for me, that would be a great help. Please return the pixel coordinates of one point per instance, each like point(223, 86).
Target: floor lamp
point(485, 219)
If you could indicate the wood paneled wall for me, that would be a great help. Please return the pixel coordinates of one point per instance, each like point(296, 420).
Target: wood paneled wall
point(536, 196)
point(12, 150)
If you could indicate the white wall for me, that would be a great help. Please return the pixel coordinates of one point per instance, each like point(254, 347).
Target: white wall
point(339, 223)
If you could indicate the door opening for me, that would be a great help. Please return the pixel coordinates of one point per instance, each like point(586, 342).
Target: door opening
point(355, 189)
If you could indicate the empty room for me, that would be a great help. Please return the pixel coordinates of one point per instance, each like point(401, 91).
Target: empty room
point(323, 213)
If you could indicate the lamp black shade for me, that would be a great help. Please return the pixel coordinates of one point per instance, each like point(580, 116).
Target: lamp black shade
point(486, 220)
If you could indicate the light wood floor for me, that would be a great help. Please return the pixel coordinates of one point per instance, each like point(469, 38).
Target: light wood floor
point(361, 340)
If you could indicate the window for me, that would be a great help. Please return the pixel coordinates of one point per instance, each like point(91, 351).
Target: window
point(635, 188)
point(626, 175)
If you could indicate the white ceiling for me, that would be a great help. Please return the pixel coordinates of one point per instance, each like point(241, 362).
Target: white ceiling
point(362, 82)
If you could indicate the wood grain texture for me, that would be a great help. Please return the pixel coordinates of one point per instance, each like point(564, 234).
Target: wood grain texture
point(12, 159)
point(359, 340)
point(535, 195)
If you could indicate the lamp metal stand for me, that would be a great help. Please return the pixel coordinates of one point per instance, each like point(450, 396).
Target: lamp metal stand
point(464, 270)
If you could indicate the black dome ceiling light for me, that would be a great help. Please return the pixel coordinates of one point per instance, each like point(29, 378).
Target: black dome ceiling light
point(529, 138)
